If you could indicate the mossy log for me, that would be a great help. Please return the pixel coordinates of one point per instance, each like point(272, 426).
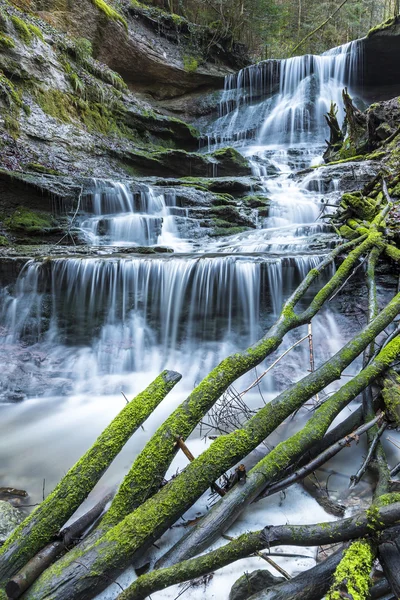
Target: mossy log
point(84, 572)
point(149, 468)
point(40, 527)
point(228, 509)
point(352, 575)
point(247, 544)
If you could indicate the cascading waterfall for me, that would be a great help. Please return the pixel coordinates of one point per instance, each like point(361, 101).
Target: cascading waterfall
point(75, 332)
point(284, 102)
point(116, 216)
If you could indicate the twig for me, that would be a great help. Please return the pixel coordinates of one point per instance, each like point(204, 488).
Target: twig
point(355, 479)
point(264, 557)
point(314, 464)
point(273, 365)
point(179, 442)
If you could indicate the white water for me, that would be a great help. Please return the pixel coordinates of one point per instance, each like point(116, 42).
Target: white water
point(75, 332)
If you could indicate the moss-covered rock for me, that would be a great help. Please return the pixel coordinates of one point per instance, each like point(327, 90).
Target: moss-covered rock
point(29, 221)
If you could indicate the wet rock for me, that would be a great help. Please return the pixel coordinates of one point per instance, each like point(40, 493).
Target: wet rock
point(251, 583)
point(10, 517)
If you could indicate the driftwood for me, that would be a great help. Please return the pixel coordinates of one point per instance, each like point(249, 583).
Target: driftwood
point(47, 519)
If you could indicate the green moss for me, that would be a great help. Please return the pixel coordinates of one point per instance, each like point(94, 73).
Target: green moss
point(36, 31)
point(110, 12)
point(348, 233)
point(22, 29)
point(28, 221)
point(352, 575)
point(225, 228)
point(373, 518)
point(39, 168)
point(6, 41)
point(363, 208)
point(387, 499)
point(382, 26)
point(190, 64)
point(55, 103)
point(4, 241)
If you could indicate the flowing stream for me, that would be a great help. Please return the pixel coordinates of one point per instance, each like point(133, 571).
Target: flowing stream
point(75, 331)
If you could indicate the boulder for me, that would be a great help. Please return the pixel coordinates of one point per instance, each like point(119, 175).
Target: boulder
point(251, 583)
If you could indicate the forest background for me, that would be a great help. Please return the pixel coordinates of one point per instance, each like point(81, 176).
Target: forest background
point(274, 28)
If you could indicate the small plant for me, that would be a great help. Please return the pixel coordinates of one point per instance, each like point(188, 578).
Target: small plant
point(110, 12)
point(6, 41)
point(190, 64)
point(83, 49)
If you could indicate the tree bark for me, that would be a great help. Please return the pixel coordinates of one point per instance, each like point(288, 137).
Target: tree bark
point(40, 527)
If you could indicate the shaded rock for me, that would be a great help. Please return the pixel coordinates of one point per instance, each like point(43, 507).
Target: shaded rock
point(251, 583)
point(154, 54)
point(224, 162)
point(381, 48)
point(10, 517)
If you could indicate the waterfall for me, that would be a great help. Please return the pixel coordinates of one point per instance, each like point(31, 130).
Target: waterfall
point(284, 101)
point(115, 216)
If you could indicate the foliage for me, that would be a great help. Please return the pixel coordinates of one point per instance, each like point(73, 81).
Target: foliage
point(273, 28)
point(110, 12)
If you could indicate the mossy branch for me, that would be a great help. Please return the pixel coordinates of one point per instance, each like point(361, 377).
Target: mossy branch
point(352, 575)
point(46, 520)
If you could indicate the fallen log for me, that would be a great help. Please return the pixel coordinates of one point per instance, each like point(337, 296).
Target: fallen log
point(309, 585)
point(352, 575)
point(85, 571)
point(249, 543)
point(22, 580)
point(40, 527)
